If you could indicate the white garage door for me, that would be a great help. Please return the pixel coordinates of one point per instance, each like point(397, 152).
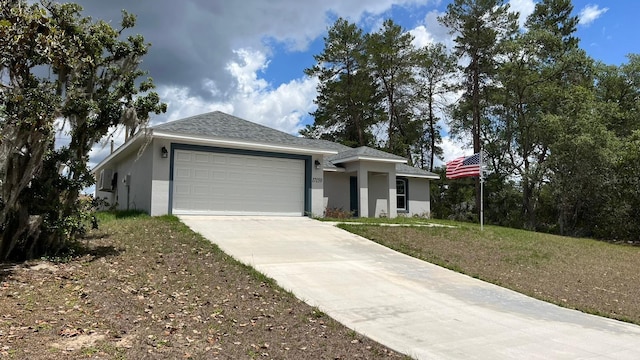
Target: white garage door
point(229, 184)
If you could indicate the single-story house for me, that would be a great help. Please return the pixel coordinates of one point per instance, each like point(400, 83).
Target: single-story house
point(220, 164)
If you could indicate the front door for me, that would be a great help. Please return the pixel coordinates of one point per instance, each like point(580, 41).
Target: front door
point(353, 195)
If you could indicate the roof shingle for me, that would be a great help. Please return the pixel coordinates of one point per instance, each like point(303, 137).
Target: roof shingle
point(220, 125)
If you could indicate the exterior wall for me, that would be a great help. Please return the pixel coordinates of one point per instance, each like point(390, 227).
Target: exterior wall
point(317, 187)
point(160, 182)
point(370, 204)
point(137, 193)
point(107, 196)
point(149, 189)
point(380, 186)
point(378, 195)
point(336, 191)
point(419, 199)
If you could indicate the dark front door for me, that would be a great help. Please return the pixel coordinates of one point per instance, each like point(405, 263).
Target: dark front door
point(353, 195)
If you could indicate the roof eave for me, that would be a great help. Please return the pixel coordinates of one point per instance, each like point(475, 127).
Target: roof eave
point(368, 158)
point(241, 144)
point(135, 139)
point(421, 176)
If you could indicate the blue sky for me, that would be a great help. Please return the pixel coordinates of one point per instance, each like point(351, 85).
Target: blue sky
point(247, 57)
point(609, 37)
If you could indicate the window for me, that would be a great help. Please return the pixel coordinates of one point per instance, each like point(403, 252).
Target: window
point(401, 194)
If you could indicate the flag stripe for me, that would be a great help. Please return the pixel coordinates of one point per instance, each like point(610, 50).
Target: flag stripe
point(463, 167)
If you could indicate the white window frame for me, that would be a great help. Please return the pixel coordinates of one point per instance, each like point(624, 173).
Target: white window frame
point(405, 184)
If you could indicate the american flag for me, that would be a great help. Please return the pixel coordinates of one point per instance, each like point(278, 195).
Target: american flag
point(464, 167)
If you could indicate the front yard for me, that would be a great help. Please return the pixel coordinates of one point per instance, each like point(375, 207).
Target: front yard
point(149, 288)
point(584, 274)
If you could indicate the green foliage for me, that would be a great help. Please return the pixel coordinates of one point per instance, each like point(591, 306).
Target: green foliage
point(560, 131)
point(392, 59)
point(347, 95)
point(452, 200)
point(482, 27)
point(57, 64)
point(534, 77)
point(436, 68)
point(381, 82)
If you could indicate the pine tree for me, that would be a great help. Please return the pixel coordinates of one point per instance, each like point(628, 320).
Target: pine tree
point(435, 70)
point(348, 100)
point(391, 60)
point(481, 28)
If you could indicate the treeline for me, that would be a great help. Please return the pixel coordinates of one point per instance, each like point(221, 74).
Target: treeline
point(561, 131)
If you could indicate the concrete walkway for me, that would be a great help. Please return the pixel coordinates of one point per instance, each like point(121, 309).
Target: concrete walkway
point(411, 306)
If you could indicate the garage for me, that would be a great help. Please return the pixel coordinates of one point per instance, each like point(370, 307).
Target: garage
point(230, 183)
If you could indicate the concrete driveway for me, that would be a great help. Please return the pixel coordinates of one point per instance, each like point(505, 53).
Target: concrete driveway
point(411, 306)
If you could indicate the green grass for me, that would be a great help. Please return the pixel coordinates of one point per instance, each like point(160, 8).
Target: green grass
point(401, 220)
point(105, 216)
point(588, 275)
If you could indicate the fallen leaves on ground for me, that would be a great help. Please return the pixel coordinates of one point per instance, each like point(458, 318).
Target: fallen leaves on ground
point(149, 288)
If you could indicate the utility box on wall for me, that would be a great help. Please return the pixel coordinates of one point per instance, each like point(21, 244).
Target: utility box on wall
point(126, 180)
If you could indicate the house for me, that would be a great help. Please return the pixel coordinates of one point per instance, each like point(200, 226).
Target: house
point(220, 164)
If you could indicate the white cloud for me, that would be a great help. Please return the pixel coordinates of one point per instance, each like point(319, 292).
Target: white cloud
point(282, 108)
point(453, 148)
point(590, 13)
point(431, 31)
point(524, 8)
point(196, 39)
point(181, 104)
point(421, 36)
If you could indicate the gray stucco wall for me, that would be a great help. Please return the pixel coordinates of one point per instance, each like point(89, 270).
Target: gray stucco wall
point(137, 193)
point(317, 187)
point(336, 190)
point(378, 194)
point(419, 197)
point(160, 181)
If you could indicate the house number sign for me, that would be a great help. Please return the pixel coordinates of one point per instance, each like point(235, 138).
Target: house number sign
point(316, 180)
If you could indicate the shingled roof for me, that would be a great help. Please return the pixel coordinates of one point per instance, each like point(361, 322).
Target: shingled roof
point(224, 126)
point(220, 125)
point(364, 152)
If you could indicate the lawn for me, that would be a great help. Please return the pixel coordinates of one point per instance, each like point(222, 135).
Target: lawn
point(592, 276)
point(149, 288)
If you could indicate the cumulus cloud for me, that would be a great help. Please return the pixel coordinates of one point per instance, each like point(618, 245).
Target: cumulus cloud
point(196, 39)
point(430, 31)
point(590, 13)
point(281, 107)
point(524, 9)
point(214, 55)
point(453, 148)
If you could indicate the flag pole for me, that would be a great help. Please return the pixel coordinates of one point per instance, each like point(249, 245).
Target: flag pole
point(481, 188)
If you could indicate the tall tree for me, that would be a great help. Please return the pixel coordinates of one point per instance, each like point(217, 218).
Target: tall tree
point(533, 77)
point(581, 162)
point(347, 100)
point(392, 59)
point(481, 27)
point(435, 70)
point(56, 64)
point(619, 87)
